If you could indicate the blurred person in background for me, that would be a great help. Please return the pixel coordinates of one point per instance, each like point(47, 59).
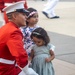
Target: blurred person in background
point(4, 3)
point(48, 11)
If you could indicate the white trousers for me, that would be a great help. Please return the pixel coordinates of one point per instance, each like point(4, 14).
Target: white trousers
point(21, 73)
point(49, 8)
point(27, 71)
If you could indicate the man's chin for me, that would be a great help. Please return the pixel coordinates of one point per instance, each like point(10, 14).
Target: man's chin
point(24, 25)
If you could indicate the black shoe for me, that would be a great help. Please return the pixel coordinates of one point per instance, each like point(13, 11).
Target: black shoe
point(55, 17)
point(45, 14)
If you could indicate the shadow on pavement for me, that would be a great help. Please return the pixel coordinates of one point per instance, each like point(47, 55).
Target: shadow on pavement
point(65, 46)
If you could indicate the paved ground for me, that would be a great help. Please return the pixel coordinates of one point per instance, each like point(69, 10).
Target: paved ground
point(62, 34)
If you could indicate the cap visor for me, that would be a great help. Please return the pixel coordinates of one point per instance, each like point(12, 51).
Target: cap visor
point(22, 10)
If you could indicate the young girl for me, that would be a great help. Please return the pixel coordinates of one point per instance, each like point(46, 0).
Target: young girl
point(42, 53)
point(32, 19)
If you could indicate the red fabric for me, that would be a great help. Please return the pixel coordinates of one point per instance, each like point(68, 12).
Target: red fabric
point(1, 4)
point(25, 5)
point(9, 70)
point(9, 1)
point(11, 48)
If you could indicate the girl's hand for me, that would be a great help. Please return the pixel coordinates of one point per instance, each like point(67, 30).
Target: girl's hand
point(47, 59)
point(30, 64)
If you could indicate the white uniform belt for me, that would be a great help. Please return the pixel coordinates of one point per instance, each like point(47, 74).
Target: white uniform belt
point(5, 61)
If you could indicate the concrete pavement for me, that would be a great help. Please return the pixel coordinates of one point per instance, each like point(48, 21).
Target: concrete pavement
point(62, 34)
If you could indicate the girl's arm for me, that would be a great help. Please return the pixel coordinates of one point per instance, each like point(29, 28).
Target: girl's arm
point(52, 56)
point(52, 47)
point(31, 55)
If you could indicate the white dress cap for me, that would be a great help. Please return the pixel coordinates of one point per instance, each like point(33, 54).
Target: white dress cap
point(14, 6)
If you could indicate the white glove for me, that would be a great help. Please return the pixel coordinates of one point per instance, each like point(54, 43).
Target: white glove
point(29, 71)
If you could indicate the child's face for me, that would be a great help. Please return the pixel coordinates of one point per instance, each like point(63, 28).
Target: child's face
point(33, 20)
point(38, 42)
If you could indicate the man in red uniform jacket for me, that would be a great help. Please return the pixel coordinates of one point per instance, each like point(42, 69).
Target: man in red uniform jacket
point(13, 57)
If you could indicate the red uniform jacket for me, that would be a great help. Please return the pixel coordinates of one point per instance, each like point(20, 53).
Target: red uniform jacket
point(11, 48)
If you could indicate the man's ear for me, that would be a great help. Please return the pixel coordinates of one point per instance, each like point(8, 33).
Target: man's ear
point(14, 15)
